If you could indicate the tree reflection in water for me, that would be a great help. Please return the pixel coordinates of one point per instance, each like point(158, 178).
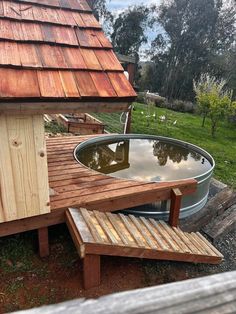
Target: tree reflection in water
point(106, 159)
point(95, 158)
point(167, 151)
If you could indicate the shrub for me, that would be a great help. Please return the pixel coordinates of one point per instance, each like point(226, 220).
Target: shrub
point(213, 100)
point(141, 98)
point(179, 105)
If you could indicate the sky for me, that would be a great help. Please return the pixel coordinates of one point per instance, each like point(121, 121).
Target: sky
point(119, 5)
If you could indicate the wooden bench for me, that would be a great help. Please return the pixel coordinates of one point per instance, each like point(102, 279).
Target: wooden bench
point(95, 233)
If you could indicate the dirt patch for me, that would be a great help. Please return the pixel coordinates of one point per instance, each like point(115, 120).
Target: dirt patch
point(27, 281)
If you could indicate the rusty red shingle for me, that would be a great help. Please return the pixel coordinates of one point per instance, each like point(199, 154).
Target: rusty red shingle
point(56, 49)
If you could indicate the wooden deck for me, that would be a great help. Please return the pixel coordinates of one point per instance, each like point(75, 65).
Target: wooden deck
point(74, 185)
point(96, 233)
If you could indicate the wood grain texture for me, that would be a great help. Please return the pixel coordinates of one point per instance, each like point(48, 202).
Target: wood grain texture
point(76, 106)
point(18, 83)
point(90, 59)
point(50, 84)
point(69, 84)
point(139, 240)
point(80, 5)
point(77, 186)
point(24, 174)
point(85, 84)
point(40, 38)
point(108, 60)
point(175, 205)
point(121, 84)
point(91, 271)
point(43, 242)
point(103, 84)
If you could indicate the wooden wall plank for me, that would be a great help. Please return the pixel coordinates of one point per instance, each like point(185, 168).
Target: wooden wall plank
point(7, 188)
point(23, 168)
point(40, 162)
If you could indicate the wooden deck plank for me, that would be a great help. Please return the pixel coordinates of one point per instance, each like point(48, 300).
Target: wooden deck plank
point(175, 237)
point(109, 232)
point(119, 230)
point(167, 239)
point(185, 240)
point(199, 249)
point(202, 244)
point(84, 184)
point(76, 185)
point(95, 189)
point(75, 234)
point(71, 184)
point(132, 230)
point(90, 225)
point(158, 239)
point(116, 199)
point(208, 244)
point(85, 233)
point(140, 228)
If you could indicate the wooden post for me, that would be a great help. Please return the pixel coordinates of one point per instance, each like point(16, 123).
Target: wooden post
point(43, 242)
point(131, 71)
point(91, 271)
point(127, 128)
point(175, 205)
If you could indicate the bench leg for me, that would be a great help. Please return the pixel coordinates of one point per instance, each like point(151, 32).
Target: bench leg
point(43, 242)
point(91, 271)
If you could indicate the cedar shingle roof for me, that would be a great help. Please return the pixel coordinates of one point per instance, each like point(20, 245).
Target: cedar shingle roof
point(56, 49)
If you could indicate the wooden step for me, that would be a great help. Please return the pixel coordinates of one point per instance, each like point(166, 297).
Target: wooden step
point(96, 233)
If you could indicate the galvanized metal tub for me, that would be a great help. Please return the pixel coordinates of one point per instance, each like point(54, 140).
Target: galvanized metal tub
point(190, 204)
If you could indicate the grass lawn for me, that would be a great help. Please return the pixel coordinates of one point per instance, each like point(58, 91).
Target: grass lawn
point(187, 128)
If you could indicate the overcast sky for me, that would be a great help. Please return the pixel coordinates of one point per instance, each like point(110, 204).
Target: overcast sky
point(118, 5)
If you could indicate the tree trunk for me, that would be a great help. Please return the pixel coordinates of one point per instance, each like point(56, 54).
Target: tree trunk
point(203, 120)
point(213, 129)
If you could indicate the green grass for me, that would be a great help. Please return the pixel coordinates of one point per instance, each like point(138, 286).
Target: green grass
point(54, 127)
point(187, 128)
point(112, 121)
point(15, 255)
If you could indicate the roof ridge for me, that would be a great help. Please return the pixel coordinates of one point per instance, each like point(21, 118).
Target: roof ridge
point(64, 4)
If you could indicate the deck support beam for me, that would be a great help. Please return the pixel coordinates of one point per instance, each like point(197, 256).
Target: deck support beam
point(175, 205)
point(91, 271)
point(43, 242)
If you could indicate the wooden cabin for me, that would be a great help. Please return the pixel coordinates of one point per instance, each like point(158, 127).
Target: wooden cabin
point(54, 58)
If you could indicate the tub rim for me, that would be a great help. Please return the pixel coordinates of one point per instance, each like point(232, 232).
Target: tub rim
point(195, 148)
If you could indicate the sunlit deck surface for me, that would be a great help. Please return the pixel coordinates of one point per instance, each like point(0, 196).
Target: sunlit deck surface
point(73, 185)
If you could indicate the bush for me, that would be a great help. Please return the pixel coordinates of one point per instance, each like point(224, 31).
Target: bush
point(183, 106)
point(178, 105)
point(213, 100)
point(141, 98)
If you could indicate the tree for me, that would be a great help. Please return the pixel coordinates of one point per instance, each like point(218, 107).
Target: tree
point(213, 100)
point(129, 30)
point(225, 66)
point(102, 14)
point(189, 34)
